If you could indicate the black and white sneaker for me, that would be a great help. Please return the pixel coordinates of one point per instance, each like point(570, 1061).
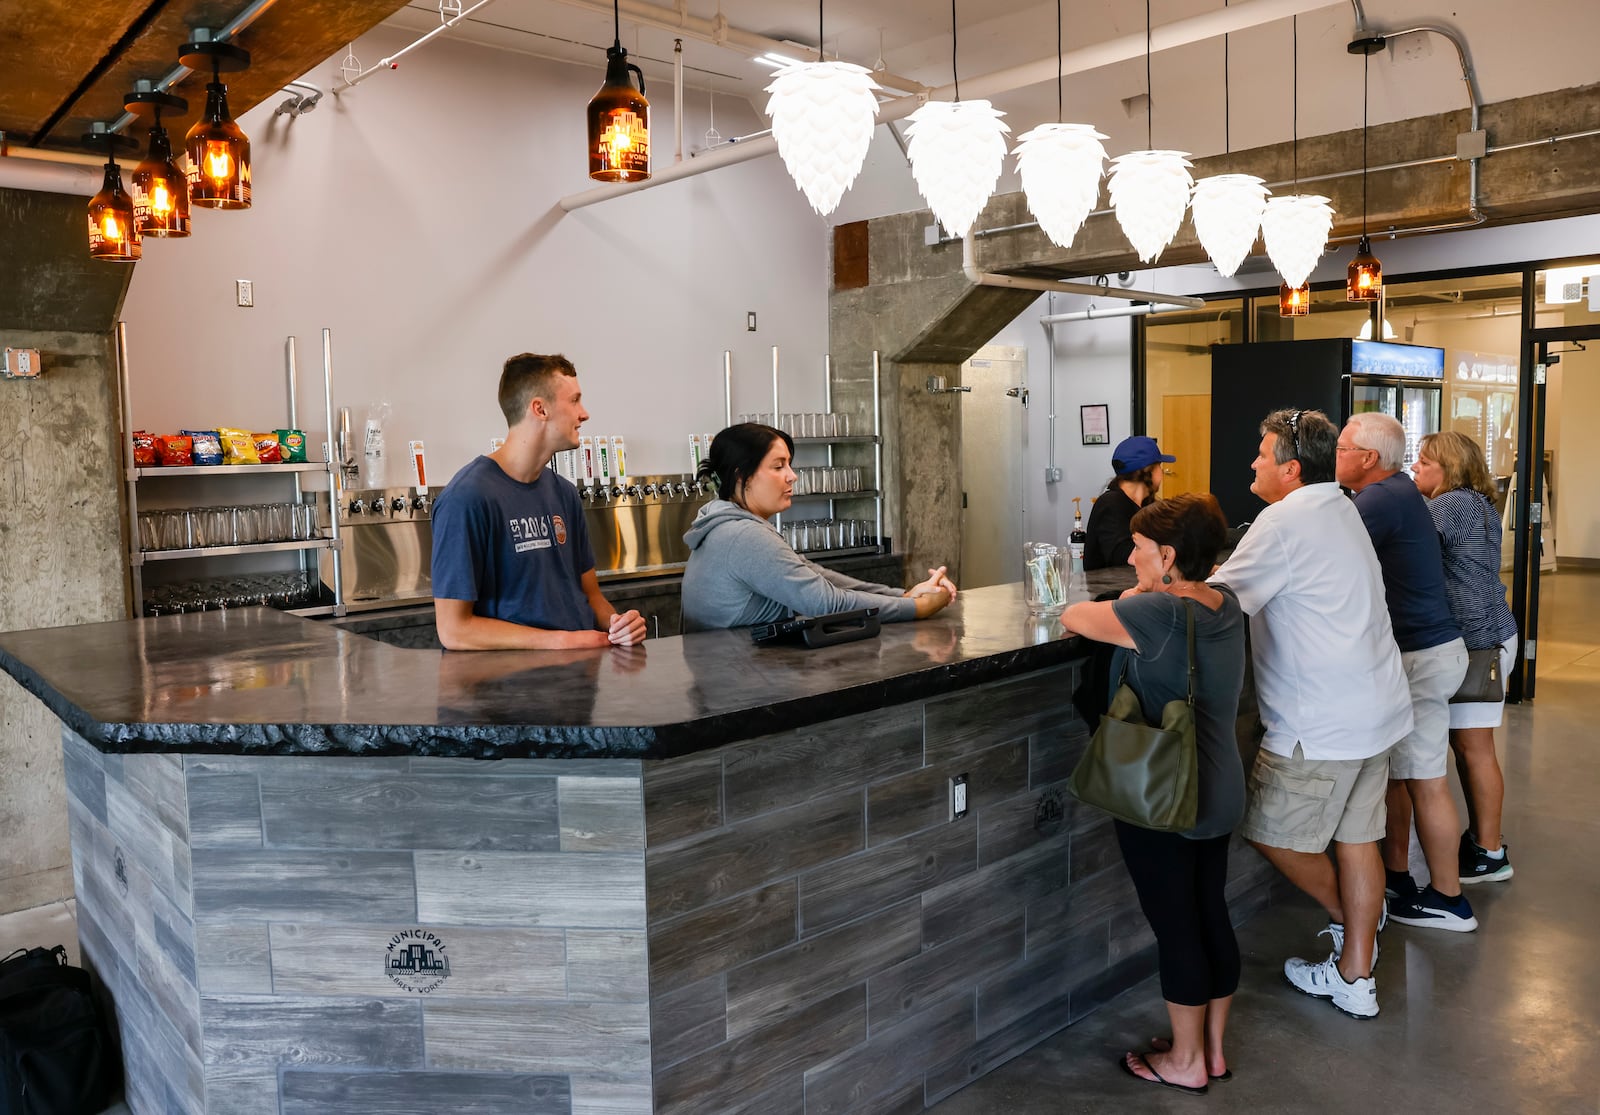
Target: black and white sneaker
point(1432, 910)
point(1478, 865)
point(1399, 884)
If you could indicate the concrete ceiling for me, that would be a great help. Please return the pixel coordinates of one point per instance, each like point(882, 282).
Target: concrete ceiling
point(67, 63)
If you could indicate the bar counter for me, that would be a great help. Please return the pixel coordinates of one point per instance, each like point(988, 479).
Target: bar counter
point(321, 874)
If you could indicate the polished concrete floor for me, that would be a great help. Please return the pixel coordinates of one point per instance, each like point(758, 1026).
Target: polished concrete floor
point(1506, 1019)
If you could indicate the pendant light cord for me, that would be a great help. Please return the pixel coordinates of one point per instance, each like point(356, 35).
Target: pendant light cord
point(1149, 93)
point(1227, 107)
point(1060, 66)
point(616, 16)
point(1294, 118)
point(955, 72)
point(822, 55)
point(1366, 60)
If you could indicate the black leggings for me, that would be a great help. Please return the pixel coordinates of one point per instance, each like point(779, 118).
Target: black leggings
point(1180, 884)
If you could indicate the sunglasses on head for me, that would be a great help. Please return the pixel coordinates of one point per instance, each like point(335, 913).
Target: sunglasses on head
point(1294, 434)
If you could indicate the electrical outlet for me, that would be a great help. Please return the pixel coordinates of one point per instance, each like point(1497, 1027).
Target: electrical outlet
point(750, 321)
point(247, 292)
point(958, 797)
point(22, 363)
point(1052, 475)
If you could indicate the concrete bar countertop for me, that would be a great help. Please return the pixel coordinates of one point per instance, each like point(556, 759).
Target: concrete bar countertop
point(256, 681)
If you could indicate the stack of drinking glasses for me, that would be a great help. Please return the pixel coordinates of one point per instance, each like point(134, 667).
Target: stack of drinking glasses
point(276, 590)
point(200, 527)
point(804, 424)
point(818, 535)
point(827, 480)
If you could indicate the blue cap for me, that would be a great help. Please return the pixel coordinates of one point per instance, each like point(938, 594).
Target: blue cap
point(1135, 453)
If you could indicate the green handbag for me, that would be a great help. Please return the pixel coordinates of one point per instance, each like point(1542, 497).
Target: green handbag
point(1140, 774)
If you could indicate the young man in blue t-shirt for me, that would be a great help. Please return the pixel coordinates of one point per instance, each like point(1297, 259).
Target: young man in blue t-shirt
point(512, 565)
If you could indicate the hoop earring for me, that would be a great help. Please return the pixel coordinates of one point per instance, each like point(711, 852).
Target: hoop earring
point(1166, 578)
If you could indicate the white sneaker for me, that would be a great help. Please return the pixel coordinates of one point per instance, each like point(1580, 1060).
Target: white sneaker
point(1336, 931)
point(1358, 999)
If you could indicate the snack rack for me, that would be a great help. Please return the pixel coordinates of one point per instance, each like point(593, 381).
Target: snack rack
point(307, 548)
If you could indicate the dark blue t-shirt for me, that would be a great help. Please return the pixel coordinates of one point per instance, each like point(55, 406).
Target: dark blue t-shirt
point(1407, 544)
point(518, 551)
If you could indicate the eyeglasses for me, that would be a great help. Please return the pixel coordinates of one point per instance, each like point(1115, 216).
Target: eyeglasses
point(1294, 434)
point(1351, 449)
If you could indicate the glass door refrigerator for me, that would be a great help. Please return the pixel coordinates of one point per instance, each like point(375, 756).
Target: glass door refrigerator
point(1339, 376)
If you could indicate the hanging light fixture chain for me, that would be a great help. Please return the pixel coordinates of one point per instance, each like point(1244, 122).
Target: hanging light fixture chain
point(1060, 67)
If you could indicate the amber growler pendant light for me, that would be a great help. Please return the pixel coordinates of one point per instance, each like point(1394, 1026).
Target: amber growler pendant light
point(113, 232)
point(1294, 301)
point(218, 150)
point(1364, 278)
point(160, 187)
point(619, 118)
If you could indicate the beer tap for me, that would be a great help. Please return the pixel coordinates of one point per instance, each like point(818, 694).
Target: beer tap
point(420, 503)
point(397, 505)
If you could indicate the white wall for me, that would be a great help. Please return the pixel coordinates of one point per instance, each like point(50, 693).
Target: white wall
point(415, 216)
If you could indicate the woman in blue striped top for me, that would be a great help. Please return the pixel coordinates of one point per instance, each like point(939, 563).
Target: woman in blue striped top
point(1452, 473)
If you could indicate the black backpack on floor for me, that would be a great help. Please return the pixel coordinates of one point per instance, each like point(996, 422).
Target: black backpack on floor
point(56, 1055)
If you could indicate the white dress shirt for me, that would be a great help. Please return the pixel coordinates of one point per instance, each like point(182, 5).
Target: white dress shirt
point(1328, 673)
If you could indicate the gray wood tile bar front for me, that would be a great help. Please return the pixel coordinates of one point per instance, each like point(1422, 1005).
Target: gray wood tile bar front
point(307, 907)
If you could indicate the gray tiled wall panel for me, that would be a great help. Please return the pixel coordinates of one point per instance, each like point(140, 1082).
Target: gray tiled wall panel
point(689, 1020)
point(273, 1030)
point(552, 1037)
point(303, 806)
point(889, 873)
point(424, 1093)
point(918, 800)
point(601, 814)
point(958, 907)
point(937, 972)
point(607, 965)
point(891, 1058)
point(715, 939)
point(349, 960)
point(988, 714)
point(601, 890)
point(233, 957)
point(268, 884)
point(225, 810)
point(611, 1094)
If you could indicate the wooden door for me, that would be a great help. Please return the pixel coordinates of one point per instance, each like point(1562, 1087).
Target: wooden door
point(1186, 434)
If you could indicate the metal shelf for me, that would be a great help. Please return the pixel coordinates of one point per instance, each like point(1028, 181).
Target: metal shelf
point(861, 493)
point(852, 551)
point(853, 439)
point(229, 551)
point(229, 470)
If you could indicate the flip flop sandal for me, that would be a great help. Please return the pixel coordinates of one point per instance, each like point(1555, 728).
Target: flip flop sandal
point(1122, 1063)
point(1156, 1044)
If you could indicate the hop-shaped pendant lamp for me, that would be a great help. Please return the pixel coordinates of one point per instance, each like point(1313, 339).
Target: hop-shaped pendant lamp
point(1227, 217)
point(1060, 166)
point(1150, 191)
point(957, 150)
point(823, 114)
point(1295, 229)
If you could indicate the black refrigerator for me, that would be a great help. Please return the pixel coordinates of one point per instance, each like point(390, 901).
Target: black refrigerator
point(1339, 376)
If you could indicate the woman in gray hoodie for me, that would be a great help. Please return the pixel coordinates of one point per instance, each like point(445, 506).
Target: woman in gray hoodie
point(741, 571)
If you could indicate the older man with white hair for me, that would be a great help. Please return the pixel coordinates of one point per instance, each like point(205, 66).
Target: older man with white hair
point(1370, 459)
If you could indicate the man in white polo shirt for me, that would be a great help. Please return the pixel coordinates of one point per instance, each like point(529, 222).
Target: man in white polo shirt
point(1332, 693)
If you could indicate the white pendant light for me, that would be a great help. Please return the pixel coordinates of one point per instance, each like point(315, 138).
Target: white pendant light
point(1150, 191)
point(1227, 217)
point(1060, 166)
point(1295, 229)
point(823, 114)
point(957, 150)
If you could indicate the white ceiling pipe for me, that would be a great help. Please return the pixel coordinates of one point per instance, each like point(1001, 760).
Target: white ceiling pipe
point(393, 61)
point(718, 33)
point(50, 177)
point(969, 266)
point(1210, 25)
point(1091, 314)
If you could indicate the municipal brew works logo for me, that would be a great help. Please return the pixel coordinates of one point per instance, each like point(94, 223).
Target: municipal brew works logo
point(561, 530)
point(120, 868)
point(415, 961)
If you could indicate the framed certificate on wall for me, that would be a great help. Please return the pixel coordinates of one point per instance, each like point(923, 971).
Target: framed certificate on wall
point(1096, 422)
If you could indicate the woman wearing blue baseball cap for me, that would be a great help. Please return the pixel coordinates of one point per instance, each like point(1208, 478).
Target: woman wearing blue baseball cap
point(1137, 462)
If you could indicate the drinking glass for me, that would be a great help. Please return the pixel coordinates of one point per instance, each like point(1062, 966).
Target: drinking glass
point(149, 530)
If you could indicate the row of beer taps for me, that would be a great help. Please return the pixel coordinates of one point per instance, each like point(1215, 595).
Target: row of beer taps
point(604, 493)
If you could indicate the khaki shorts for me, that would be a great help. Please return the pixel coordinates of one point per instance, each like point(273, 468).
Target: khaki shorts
point(1301, 804)
point(1433, 675)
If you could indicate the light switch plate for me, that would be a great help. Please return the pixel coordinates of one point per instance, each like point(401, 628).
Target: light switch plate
point(246, 291)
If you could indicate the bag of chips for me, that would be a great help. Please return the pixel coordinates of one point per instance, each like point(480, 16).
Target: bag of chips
point(207, 446)
point(293, 443)
point(174, 450)
point(144, 450)
point(268, 451)
point(238, 447)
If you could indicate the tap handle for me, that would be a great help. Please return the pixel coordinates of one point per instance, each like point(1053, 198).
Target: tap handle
point(358, 506)
point(397, 504)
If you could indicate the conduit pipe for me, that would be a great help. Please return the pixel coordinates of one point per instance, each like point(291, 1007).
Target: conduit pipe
point(1208, 25)
point(179, 72)
point(969, 267)
point(393, 61)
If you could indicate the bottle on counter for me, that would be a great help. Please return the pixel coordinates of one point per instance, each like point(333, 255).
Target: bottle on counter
point(1077, 577)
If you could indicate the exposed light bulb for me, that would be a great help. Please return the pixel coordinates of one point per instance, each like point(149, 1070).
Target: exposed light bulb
point(1060, 166)
point(1295, 229)
point(957, 149)
point(823, 114)
point(1150, 191)
point(1227, 217)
